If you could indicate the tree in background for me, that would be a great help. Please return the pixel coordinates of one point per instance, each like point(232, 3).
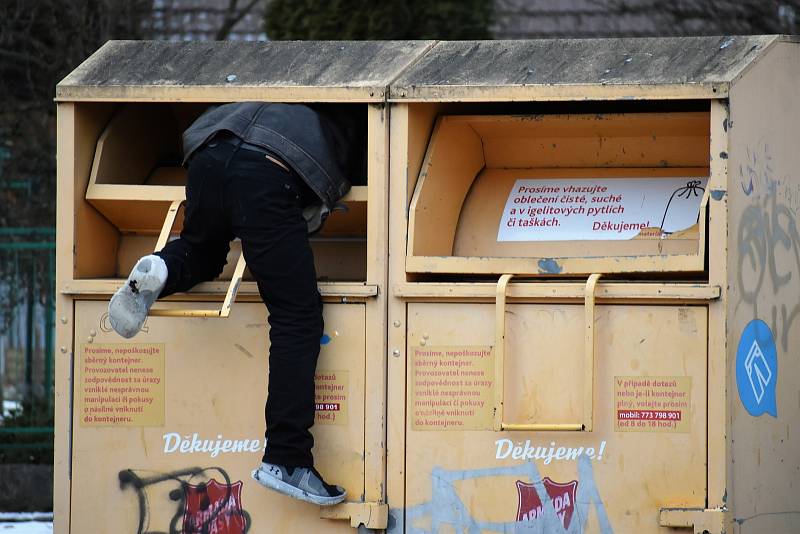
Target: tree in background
point(41, 41)
point(713, 17)
point(390, 19)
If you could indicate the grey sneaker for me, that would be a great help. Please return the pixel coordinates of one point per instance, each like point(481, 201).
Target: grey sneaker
point(303, 483)
point(129, 305)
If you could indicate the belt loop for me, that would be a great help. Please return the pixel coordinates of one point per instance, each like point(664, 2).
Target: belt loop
point(236, 146)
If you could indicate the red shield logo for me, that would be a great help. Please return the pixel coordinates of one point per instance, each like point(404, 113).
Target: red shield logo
point(213, 508)
point(563, 496)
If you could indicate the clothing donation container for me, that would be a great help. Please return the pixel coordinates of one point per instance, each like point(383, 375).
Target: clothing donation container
point(564, 301)
point(594, 268)
point(159, 433)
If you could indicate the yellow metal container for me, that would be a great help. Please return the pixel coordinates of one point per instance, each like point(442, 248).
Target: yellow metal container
point(160, 433)
point(484, 369)
point(576, 382)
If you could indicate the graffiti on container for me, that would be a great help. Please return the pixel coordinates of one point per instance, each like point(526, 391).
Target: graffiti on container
point(202, 504)
point(756, 171)
point(547, 509)
point(769, 245)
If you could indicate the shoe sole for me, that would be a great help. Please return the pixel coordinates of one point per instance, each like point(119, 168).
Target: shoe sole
point(127, 312)
point(144, 277)
point(128, 309)
point(296, 493)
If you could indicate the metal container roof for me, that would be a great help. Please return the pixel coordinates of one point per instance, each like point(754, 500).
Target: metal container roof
point(371, 71)
point(234, 70)
point(578, 69)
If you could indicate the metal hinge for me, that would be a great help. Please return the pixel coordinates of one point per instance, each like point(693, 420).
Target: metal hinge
point(373, 515)
point(714, 521)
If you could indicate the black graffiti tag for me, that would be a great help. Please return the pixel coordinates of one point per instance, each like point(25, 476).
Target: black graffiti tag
point(767, 238)
point(180, 480)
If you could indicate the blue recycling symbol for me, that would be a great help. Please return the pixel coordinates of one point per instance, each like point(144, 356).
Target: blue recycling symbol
point(757, 369)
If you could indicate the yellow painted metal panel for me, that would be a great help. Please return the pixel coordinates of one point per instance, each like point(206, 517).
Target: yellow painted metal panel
point(555, 266)
point(763, 276)
point(472, 162)
point(215, 386)
point(559, 291)
point(62, 359)
point(213, 291)
point(718, 363)
point(454, 156)
point(677, 139)
point(401, 184)
point(376, 273)
point(458, 480)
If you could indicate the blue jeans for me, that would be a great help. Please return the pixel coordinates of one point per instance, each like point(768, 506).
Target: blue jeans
point(235, 192)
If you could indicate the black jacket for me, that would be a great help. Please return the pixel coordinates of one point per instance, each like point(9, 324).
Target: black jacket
point(325, 144)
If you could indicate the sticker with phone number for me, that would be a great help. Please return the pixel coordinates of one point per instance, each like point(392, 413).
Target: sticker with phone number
point(652, 403)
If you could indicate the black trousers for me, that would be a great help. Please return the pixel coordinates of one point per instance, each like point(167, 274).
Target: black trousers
point(235, 192)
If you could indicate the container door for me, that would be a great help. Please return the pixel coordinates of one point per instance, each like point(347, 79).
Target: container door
point(167, 426)
point(647, 448)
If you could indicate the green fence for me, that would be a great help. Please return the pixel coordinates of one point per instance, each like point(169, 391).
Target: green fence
point(27, 328)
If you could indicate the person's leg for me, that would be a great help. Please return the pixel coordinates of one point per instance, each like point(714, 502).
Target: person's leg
point(275, 242)
point(268, 219)
point(198, 255)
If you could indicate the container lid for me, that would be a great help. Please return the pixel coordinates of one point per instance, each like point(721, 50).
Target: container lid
point(219, 71)
point(580, 69)
point(363, 71)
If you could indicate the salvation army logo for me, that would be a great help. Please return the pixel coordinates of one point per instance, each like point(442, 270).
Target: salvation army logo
point(757, 369)
point(562, 496)
point(213, 508)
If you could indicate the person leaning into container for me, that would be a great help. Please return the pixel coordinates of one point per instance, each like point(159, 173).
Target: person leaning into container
point(268, 174)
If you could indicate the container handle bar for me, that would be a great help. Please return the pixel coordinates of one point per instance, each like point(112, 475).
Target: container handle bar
point(233, 288)
point(588, 362)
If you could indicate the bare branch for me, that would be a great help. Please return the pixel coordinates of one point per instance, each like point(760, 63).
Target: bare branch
point(232, 18)
point(25, 58)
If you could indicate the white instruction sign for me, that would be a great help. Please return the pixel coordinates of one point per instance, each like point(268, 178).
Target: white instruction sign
point(600, 209)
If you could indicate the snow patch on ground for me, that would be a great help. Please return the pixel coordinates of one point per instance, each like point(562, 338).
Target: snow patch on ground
point(28, 527)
